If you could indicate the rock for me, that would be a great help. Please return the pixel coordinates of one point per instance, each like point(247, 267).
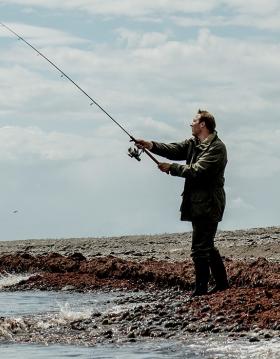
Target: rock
point(145, 332)
point(108, 334)
point(254, 339)
point(176, 305)
point(206, 328)
point(106, 322)
point(205, 309)
point(192, 328)
point(68, 288)
point(171, 324)
point(78, 256)
point(220, 319)
point(78, 325)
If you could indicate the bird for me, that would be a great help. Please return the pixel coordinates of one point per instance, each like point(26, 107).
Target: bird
point(15, 211)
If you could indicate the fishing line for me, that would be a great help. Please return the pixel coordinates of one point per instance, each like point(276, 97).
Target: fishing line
point(132, 152)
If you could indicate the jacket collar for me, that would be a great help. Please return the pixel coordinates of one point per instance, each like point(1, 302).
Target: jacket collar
point(202, 146)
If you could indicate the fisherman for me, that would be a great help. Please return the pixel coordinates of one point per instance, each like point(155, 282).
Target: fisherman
point(203, 199)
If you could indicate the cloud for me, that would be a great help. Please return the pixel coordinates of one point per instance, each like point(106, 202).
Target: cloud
point(259, 150)
point(141, 78)
point(236, 13)
point(160, 7)
point(240, 203)
point(123, 7)
point(203, 13)
point(30, 145)
point(26, 90)
point(42, 36)
point(137, 39)
point(29, 10)
point(253, 7)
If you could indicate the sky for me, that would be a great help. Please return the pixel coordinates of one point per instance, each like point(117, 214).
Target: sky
point(151, 65)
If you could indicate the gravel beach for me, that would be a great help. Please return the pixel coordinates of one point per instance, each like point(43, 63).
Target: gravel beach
point(239, 244)
point(156, 274)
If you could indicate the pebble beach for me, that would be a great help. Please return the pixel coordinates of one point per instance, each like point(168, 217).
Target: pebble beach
point(156, 275)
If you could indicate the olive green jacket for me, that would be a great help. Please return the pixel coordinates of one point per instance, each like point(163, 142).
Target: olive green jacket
point(204, 195)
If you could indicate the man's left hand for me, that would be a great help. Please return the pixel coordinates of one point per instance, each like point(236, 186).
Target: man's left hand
point(164, 167)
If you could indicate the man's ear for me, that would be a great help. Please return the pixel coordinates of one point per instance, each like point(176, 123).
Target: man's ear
point(202, 124)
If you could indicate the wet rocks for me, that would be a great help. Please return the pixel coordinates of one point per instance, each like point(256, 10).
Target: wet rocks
point(148, 314)
point(163, 308)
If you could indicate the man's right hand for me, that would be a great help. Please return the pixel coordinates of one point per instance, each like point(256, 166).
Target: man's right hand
point(144, 144)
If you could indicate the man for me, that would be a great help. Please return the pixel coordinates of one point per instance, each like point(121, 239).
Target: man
point(203, 200)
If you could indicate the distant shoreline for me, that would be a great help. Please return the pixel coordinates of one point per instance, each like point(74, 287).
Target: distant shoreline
point(237, 244)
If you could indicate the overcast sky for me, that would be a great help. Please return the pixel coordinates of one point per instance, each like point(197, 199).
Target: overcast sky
point(64, 169)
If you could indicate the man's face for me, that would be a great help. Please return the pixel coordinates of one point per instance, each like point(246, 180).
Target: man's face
point(196, 125)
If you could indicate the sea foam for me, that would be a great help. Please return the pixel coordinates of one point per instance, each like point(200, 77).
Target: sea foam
point(8, 280)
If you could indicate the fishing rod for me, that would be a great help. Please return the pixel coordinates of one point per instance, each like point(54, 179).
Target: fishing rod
point(133, 152)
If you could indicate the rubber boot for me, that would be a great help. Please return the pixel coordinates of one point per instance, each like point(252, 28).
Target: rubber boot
point(202, 273)
point(218, 272)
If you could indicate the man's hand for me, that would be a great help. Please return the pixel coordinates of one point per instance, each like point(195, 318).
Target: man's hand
point(144, 144)
point(164, 167)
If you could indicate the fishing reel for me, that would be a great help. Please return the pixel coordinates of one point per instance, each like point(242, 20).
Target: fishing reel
point(135, 152)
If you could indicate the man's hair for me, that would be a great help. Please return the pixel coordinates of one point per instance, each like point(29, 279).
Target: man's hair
point(209, 120)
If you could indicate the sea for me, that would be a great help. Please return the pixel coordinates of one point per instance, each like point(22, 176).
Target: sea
point(68, 306)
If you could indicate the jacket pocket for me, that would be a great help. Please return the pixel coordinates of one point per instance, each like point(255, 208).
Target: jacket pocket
point(201, 204)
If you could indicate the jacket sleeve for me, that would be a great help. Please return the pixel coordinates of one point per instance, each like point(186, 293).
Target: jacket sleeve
point(171, 151)
point(209, 163)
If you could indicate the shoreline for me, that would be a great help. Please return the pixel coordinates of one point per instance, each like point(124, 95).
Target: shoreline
point(240, 244)
point(158, 267)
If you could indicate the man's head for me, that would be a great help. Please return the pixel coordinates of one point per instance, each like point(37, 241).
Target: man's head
point(203, 124)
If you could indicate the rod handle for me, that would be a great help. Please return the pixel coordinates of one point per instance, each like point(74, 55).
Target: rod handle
point(148, 153)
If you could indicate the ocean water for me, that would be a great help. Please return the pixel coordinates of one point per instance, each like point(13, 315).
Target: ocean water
point(66, 306)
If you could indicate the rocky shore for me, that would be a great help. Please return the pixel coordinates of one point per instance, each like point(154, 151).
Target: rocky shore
point(157, 277)
point(239, 244)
